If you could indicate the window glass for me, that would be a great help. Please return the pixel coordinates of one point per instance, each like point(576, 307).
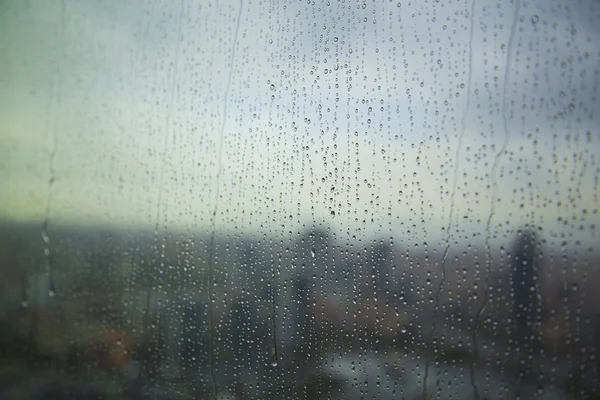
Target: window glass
point(243, 199)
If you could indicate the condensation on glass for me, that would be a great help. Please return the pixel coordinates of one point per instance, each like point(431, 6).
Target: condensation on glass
point(299, 199)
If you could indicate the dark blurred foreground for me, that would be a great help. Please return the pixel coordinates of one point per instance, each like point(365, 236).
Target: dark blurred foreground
point(125, 315)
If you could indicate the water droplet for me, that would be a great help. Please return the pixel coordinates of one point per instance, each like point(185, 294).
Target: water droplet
point(535, 19)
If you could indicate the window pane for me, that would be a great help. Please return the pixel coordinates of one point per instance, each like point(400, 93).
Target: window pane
point(299, 199)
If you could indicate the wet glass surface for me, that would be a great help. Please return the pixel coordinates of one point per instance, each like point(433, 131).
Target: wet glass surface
point(299, 199)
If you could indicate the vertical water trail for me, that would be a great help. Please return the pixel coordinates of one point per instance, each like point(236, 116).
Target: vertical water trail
point(56, 97)
point(463, 129)
point(160, 183)
point(453, 196)
point(48, 265)
point(274, 353)
point(497, 159)
point(216, 209)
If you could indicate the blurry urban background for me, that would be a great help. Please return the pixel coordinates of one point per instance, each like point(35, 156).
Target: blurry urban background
point(126, 315)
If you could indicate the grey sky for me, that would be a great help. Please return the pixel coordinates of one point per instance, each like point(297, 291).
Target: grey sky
point(349, 108)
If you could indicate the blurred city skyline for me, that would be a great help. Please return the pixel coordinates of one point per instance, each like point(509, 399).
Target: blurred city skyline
point(127, 314)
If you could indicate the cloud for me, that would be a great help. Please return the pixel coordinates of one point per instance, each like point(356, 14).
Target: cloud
point(338, 113)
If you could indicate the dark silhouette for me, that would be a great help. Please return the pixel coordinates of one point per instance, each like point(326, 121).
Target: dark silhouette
point(526, 292)
point(525, 286)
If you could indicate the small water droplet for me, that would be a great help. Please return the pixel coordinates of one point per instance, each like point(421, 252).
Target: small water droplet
point(51, 293)
point(535, 19)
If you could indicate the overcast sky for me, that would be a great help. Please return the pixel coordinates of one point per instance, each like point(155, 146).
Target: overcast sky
point(376, 117)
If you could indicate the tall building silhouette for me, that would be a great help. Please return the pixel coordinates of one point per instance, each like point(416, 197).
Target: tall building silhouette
point(526, 298)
